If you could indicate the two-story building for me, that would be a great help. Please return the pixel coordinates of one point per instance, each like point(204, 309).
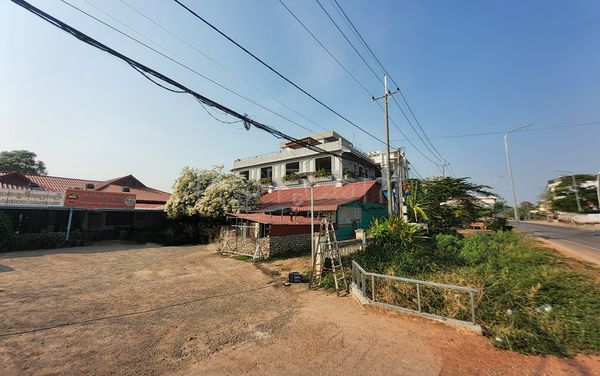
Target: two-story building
point(340, 160)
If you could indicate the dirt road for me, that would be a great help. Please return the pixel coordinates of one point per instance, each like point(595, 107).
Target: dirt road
point(129, 310)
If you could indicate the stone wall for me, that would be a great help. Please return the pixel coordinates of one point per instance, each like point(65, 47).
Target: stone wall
point(289, 244)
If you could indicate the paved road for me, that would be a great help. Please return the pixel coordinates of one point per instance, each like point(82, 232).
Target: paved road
point(581, 243)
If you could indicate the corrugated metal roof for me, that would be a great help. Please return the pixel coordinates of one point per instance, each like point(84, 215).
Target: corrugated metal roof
point(326, 197)
point(289, 220)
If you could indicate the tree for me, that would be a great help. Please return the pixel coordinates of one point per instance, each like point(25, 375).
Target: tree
point(231, 194)
point(188, 190)
point(448, 202)
point(22, 161)
point(525, 208)
point(563, 197)
point(211, 193)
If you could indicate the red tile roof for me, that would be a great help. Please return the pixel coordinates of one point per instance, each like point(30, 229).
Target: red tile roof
point(146, 197)
point(326, 197)
point(276, 219)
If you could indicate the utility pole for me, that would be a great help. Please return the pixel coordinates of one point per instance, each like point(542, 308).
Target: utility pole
point(574, 186)
point(388, 172)
point(400, 189)
point(598, 189)
point(510, 175)
point(443, 166)
point(576, 194)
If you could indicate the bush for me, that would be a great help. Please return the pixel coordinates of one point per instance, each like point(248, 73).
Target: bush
point(322, 173)
point(514, 276)
point(6, 230)
point(498, 224)
point(291, 177)
point(42, 240)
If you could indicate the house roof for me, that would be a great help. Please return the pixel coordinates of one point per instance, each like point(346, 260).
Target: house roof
point(326, 197)
point(287, 220)
point(145, 196)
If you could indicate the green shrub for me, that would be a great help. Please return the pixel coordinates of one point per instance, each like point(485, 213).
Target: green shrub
point(498, 224)
point(6, 230)
point(265, 180)
point(291, 177)
point(322, 173)
point(42, 240)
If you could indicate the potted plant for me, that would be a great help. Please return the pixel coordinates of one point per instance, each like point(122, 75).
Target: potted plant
point(349, 174)
point(292, 178)
point(322, 175)
point(265, 181)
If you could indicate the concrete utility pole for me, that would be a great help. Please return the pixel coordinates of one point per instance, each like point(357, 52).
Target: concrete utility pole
point(510, 175)
point(598, 189)
point(574, 186)
point(388, 173)
point(399, 183)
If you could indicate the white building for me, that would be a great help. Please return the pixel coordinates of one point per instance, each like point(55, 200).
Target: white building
point(338, 161)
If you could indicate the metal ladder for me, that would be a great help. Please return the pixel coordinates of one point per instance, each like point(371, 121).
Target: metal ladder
point(327, 247)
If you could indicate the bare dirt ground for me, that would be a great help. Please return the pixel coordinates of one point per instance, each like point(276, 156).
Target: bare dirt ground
point(134, 310)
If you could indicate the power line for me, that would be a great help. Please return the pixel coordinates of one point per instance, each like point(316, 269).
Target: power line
point(391, 78)
point(353, 77)
point(376, 77)
point(248, 122)
point(193, 70)
point(240, 77)
point(327, 50)
point(596, 123)
point(277, 72)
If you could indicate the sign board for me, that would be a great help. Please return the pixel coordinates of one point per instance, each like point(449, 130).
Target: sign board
point(28, 197)
point(89, 199)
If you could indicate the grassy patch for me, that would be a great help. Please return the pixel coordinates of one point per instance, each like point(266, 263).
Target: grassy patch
point(242, 258)
point(516, 279)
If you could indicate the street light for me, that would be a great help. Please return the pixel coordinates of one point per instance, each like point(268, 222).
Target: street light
point(510, 175)
point(574, 186)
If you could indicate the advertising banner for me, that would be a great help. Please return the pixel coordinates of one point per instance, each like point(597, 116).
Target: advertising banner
point(89, 199)
point(22, 197)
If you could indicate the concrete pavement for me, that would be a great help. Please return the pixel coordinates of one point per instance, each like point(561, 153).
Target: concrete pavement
point(584, 244)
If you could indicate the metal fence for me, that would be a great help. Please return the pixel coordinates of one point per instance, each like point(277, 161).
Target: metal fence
point(367, 285)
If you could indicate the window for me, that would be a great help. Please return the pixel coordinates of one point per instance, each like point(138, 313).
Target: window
point(292, 168)
point(245, 174)
point(266, 172)
point(361, 171)
point(323, 164)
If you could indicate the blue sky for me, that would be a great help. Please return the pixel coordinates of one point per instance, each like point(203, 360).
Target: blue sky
point(464, 66)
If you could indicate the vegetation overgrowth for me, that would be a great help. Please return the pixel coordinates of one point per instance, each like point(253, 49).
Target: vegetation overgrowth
point(530, 299)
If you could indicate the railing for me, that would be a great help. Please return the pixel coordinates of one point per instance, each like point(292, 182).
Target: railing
point(365, 282)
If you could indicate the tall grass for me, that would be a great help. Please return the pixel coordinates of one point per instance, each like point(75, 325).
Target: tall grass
point(530, 299)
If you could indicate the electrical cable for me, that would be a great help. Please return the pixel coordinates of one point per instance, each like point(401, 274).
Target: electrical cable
point(278, 73)
point(200, 52)
point(248, 122)
point(595, 123)
point(391, 78)
point(193, 70)
point(354, 78)
point(178, 304)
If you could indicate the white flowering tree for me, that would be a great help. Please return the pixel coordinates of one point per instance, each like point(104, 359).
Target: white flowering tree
point(188, 190)
point(230, 194)
point(211, 193)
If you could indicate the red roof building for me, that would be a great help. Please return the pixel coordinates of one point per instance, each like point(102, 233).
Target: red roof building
point(146, 197)
point(326, 197)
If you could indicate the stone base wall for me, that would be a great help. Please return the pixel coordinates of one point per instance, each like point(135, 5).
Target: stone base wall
point(299, 243)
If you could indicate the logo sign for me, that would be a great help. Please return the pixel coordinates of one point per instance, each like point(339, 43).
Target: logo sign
point(89, 199)
point(28, 197)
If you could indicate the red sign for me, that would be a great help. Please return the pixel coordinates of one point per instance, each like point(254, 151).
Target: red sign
point(89, 199)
